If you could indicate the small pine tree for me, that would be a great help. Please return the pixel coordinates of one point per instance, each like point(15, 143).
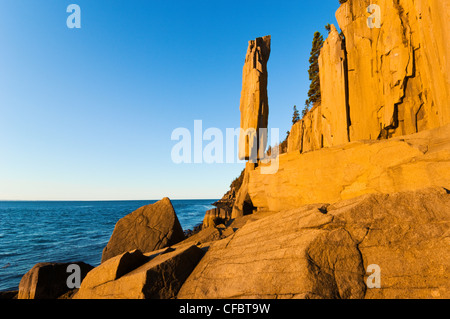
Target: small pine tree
point(296, 116)
point(314, 77)
point(328, 27)
point(305, 109)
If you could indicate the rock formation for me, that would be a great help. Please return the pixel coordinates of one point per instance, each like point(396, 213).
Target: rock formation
point(365, 183)
point(341, 172)
point(333, 82)
point(323, 251)
point(215, 216)
point(398, 75)
point(48, 280)
point(295, 138)
point(227, 201)
point(159, 278)
point(149, 228)
point(254, 103)
point(113, 269)
point(379, 83)
point(243, 204)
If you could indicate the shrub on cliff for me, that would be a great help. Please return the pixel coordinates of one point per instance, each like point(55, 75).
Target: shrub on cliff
point(296, 115)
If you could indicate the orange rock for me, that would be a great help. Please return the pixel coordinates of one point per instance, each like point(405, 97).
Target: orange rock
point(341, 172)
point(159, 278)
point(149, 228)
point(48, 280)
point(321, 251)
point(254, 105)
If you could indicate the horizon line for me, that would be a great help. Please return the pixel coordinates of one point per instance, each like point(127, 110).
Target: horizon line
point(98, 200)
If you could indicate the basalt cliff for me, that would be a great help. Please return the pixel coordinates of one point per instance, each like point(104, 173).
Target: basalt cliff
point(358, 207)
point(385, 102)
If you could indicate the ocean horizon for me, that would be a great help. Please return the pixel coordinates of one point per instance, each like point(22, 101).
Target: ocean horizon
point(69, 231)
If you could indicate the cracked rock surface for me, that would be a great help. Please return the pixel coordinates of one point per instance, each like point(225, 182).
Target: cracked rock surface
point(157, 275)
point(147, 229)
point(304, 253)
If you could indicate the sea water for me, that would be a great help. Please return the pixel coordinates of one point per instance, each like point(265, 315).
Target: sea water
point(68, 231)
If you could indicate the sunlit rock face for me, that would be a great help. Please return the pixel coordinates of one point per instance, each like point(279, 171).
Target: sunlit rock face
point(254, 105)
point(386, 75)
point(398, 74)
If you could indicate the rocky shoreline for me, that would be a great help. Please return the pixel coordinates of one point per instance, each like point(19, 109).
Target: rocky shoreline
point(314, 251)
point(358, 207)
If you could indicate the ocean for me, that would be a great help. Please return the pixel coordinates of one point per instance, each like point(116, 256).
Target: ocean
point(68, 231)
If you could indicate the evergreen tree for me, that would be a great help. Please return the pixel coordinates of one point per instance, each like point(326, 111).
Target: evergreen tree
point(296, 116)
point(306, 108)
point(314, 89)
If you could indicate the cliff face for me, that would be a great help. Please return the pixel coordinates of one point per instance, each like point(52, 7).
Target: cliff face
point(390, 82)
point(397, 74)
point(379, 83)
point(364, 167)
point(334, 85)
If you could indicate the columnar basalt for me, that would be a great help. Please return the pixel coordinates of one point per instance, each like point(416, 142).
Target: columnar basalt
point(379, 83)
point(254, 105)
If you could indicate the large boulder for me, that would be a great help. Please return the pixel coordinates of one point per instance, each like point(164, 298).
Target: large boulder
point(149, 228)
point(159, 278)
point(48, 280)
point(113, 269)
point(406, 235)
point(324, 251)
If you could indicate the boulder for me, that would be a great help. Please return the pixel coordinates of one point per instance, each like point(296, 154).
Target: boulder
point(8, 294)
point(254, 105)
point(48, 280)
point(406, 236)
point(324, 251)
point(268, 258)
point(112, 269)
point(206, 235)
point(159, 278)
point(214, 215)
point(149, 228)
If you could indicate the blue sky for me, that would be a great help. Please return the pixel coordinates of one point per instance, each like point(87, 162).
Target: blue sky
point(87, 114)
